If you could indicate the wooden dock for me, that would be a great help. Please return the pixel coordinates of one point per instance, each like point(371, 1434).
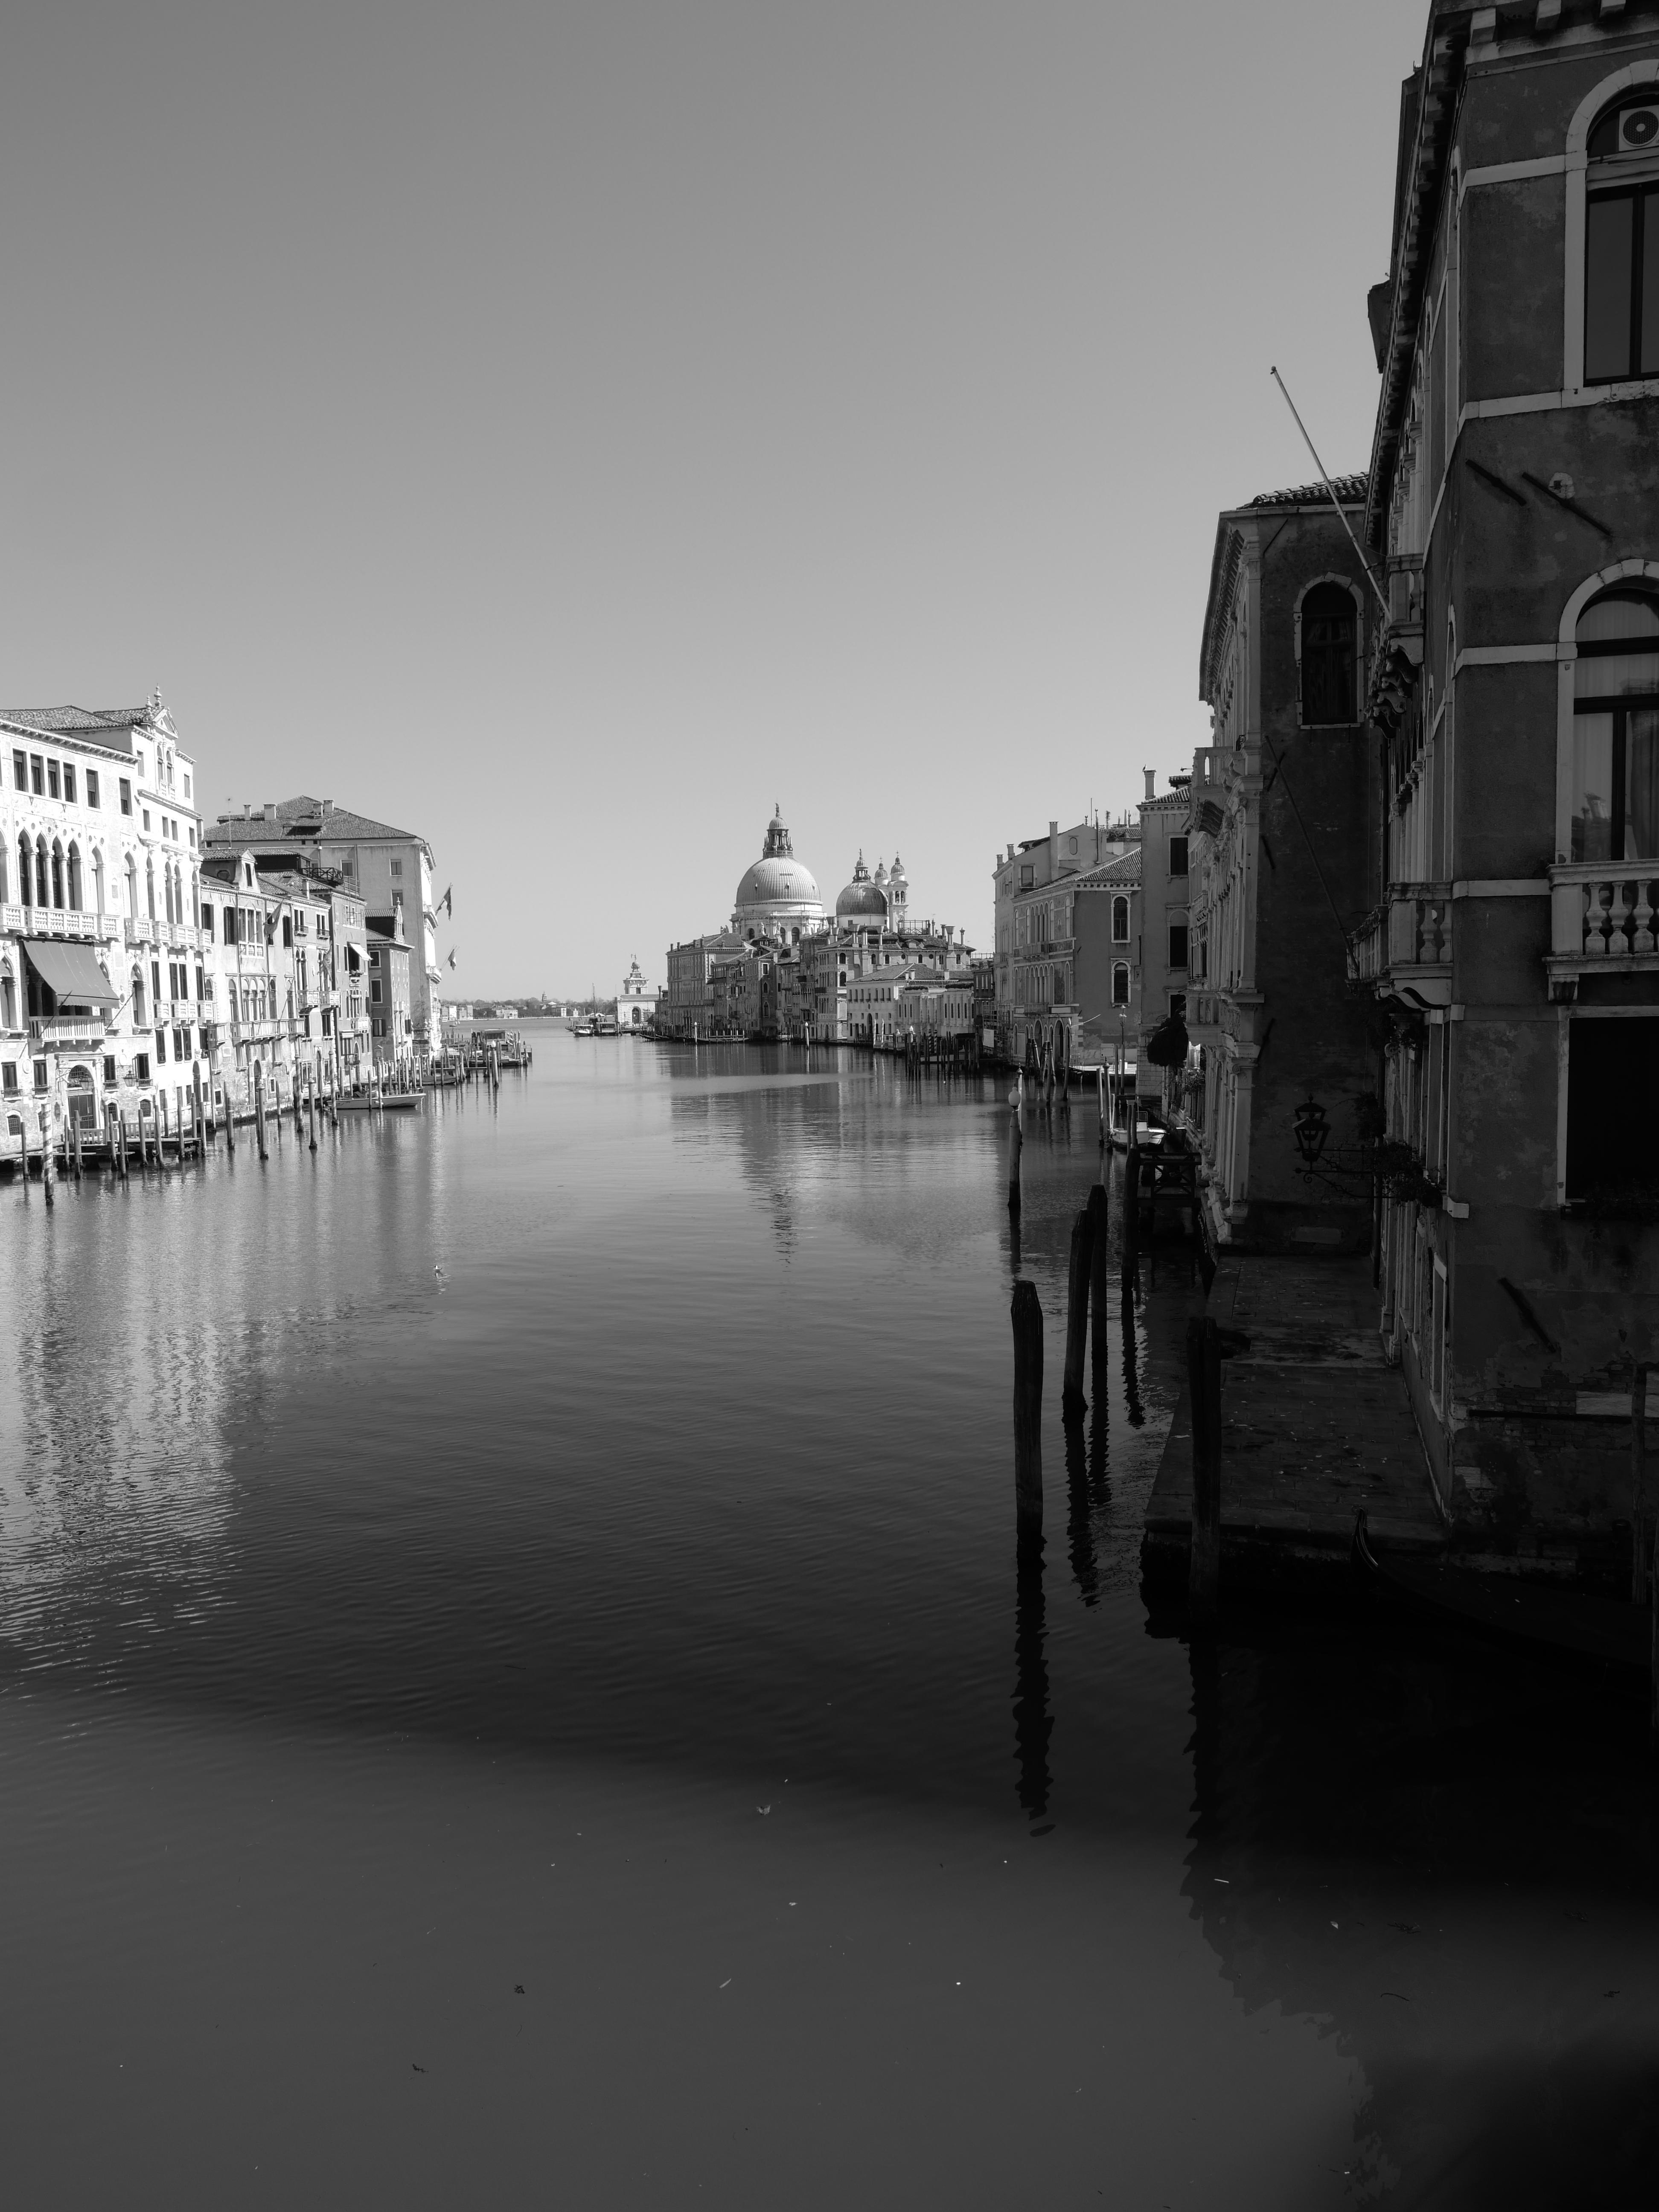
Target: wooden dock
point(1314, 1425)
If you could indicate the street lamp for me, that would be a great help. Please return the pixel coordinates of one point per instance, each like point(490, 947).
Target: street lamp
point(1311, 1127)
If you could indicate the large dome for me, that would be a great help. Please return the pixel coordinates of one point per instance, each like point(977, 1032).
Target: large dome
point(779, 893)
point(862, 900)
point(771, 880)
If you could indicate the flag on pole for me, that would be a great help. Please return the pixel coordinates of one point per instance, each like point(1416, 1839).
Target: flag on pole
point(449, 901)
point(452, 959)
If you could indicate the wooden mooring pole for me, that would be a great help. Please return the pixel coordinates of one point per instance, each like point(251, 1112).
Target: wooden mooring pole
point(1098, 1265)
point(121, 1143)
point(1131, 1218)
point(1028, 1404)
point(74, 1139)
point(45, 1164)
point(1643, 1520)
point(1014, 1141)
point(1077, 1311)
point(1204, 1387)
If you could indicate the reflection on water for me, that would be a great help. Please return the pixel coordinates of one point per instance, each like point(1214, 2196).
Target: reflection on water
point(652, 1416)
point(1033, 1723)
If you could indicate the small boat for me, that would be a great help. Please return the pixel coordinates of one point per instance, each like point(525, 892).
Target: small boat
point(363, 1100)
point(1576, 1622)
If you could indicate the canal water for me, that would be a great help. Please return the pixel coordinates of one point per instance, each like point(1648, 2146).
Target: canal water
point(517, 1681)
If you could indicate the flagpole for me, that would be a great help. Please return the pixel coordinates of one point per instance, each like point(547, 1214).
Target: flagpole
point(1382, 601)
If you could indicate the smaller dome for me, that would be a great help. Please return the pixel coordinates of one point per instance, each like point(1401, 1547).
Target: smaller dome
point(898, 875)
point(862, 900)
point(881, 871)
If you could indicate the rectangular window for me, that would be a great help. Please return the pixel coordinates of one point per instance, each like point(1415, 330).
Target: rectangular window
point(181, 1044)
point(1621, 286)
point(1178, 944)
point(68, 782)
point(141, 1067)
point(9, 1077)
point(207, 916)
point(146, 817)
point(109, 1067)
point(36, 775)
point(288, 930)
point(91, 786)
point(1177, 856)
point(1611, 1069)
point(396, 867)
point(126, 795)
point(186, 784)
point(19, 771)
point(40, 1074)
point(52, 791)
point(155, 978)
point(1437, 1335)
point(1027, 876)
point(375, 990)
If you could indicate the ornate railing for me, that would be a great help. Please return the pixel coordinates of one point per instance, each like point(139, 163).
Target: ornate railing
point(1603, 911)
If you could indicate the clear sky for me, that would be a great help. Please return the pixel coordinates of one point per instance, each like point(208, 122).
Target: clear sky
point(565, 429)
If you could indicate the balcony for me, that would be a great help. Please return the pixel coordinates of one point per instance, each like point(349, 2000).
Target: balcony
point(1203, 1014)
point(67, 1028)
point(1403, 948)
point(1602, 922)
point(57, 921)
point(141, 929)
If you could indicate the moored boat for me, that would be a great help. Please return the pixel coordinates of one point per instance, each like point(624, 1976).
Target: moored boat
point(1578, 1623)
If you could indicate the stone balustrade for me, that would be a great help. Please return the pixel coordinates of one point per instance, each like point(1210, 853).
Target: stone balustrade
point(1603, 911)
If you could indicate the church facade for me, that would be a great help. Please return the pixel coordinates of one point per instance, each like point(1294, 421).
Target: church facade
point(785, 966)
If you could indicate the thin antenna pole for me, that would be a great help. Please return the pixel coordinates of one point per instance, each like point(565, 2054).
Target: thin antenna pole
point(1382, 596)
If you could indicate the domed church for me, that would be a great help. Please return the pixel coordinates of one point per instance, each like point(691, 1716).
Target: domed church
point(779, 895)
point(882, 898)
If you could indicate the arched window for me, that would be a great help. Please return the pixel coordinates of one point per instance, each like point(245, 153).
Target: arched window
point(1327, 656)
point(1622, 242)
point(42, 895)
point(75, 898)
point(98, 877)
point(8, 1000)
point(56, 873)
point(137, 996)
point(1120, 983)
point(149, 886)
point(1120, 921)
point(1615, 728)
point(25, 873)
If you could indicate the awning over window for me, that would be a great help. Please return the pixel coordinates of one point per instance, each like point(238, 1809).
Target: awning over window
point(70, 971)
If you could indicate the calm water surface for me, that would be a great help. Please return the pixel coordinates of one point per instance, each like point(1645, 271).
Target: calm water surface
point(515, 1679)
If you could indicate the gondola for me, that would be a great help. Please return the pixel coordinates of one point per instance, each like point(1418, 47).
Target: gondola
point(1574, 1622)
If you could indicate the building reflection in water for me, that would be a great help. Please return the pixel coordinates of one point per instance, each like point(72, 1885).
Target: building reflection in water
point(1442, 1855)
point(824, 1141)
point(1033, 1723)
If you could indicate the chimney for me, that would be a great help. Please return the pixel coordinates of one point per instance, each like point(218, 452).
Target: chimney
point(1151, 779)
point(269, 810)
point(1053, 848)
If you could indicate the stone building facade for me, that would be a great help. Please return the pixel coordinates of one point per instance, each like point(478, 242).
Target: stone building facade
point(1514, 504)
point(1282, 828)
point(102, 1009)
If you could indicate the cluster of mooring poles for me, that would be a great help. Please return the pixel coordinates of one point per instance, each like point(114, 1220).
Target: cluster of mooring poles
point(180, 1127)
point(933, 1049)
point(1086, 1299)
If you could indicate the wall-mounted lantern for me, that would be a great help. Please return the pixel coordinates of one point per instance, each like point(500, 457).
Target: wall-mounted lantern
point(1312, 1127)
